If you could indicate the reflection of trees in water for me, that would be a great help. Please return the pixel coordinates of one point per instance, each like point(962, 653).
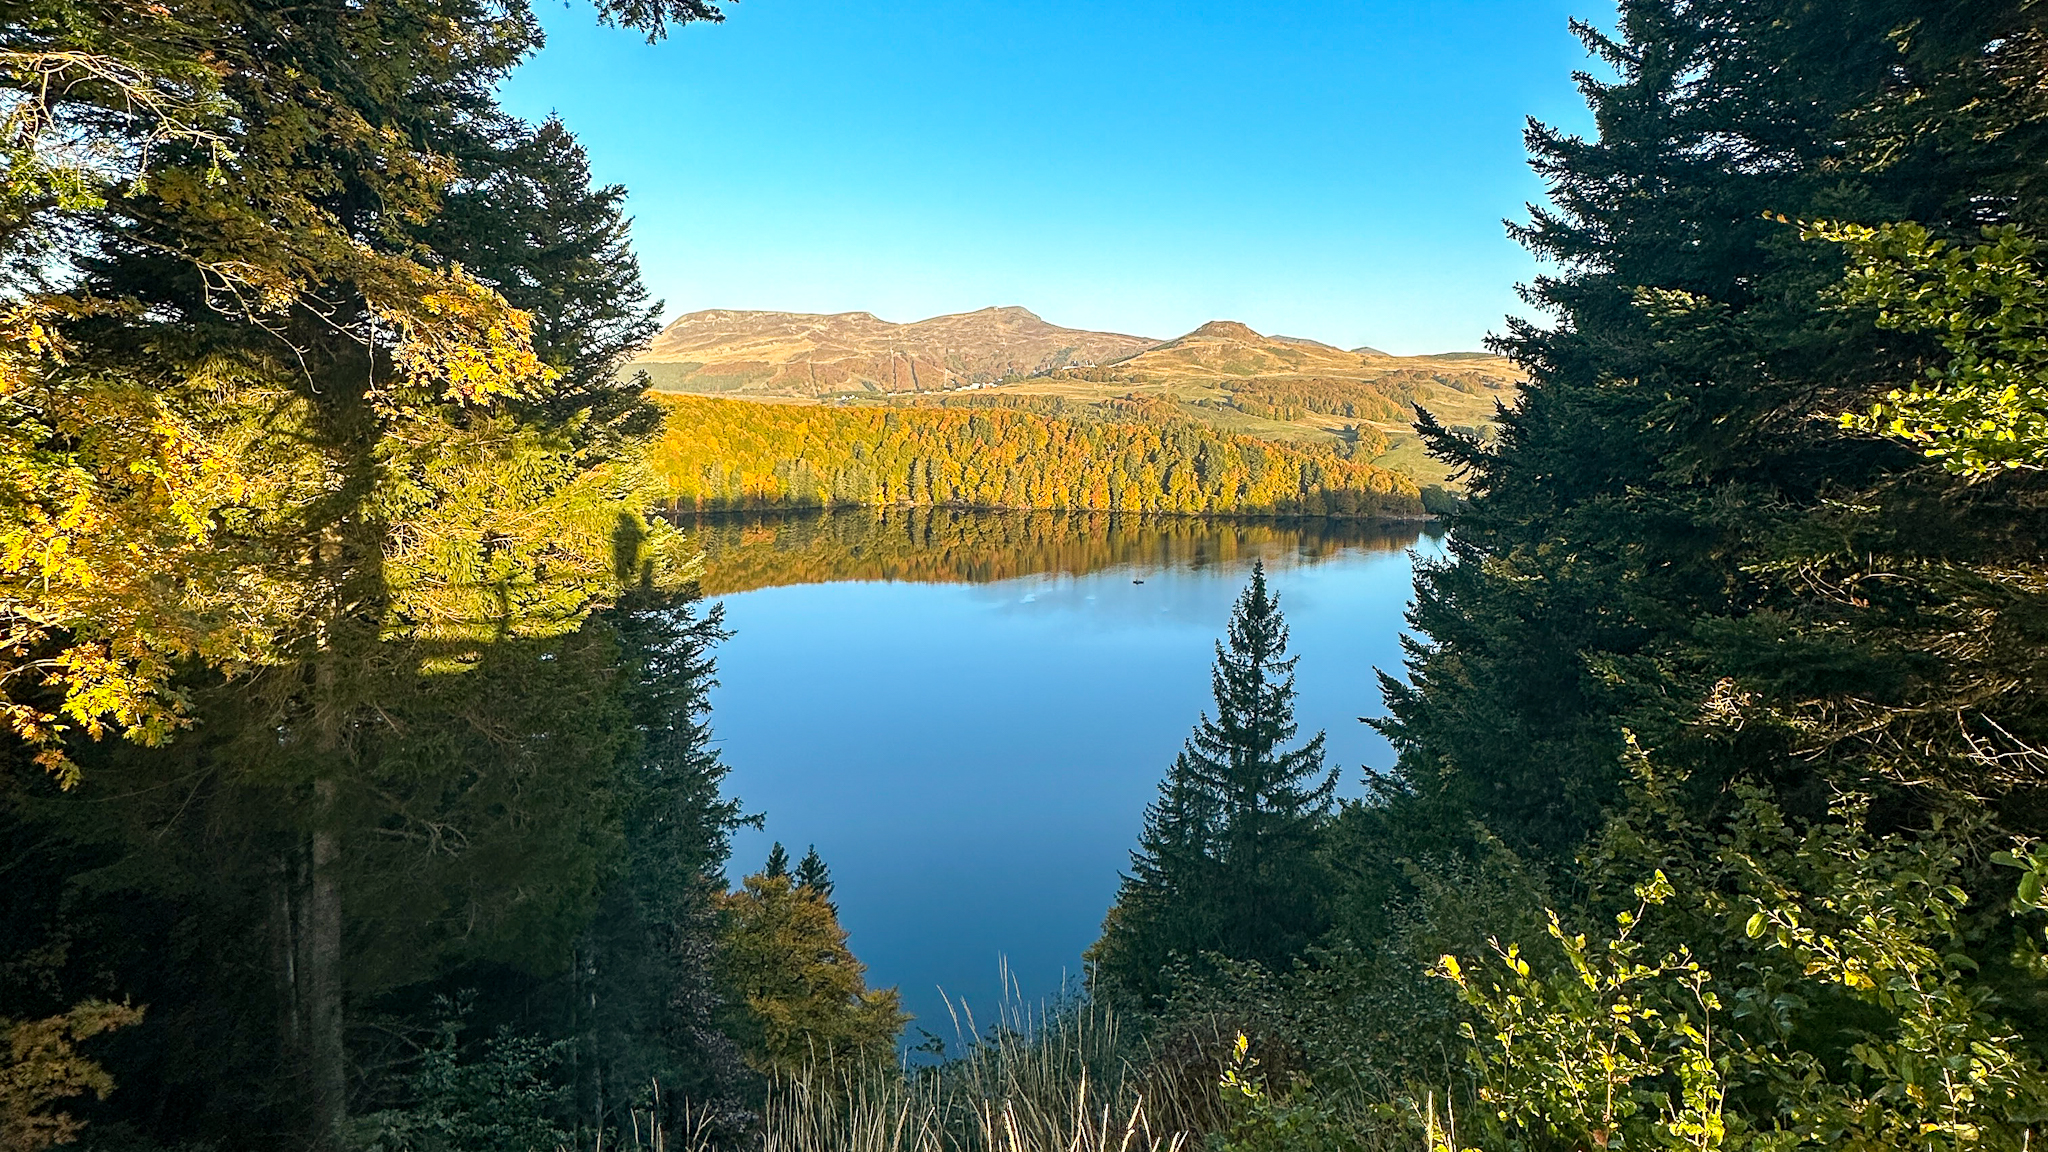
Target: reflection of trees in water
point(942, 545)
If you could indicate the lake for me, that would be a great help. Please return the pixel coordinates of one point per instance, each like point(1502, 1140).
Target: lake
point(967, 712)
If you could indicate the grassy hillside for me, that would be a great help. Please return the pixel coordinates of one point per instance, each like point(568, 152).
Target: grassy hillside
point(722, 454)
point(1358, 404)
point(1299, 391)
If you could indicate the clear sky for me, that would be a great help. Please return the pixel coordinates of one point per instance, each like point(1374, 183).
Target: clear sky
point(1312, 168)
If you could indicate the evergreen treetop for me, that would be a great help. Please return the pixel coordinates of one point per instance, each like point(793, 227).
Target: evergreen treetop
point(1226, 862)
point(1239, 756)
point(1674, 534)
point(811, 873)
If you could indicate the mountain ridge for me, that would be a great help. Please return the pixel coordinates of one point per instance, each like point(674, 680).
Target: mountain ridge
point(1287, 389)
point(803, 354)
point(797, 355)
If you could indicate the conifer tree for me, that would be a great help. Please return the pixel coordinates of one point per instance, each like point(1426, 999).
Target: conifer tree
point(811, 873)
point(777, 865)
point(642, 1001)
point(232, 248)
point(1227, 861)
point(1674, 536)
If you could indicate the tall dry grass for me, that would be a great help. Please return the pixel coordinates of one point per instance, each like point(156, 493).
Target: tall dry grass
point(1060, 1079)
point(1063, 1078)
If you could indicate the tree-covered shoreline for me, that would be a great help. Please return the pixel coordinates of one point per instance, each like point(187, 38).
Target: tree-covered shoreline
point(359, 786)
point(733, 455)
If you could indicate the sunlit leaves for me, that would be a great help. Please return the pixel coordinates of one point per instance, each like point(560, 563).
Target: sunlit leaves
point(457, 335)
point(1986, 410)
point(269, 368)
point(133, 517)
point(723, 454)
point(1615, 1049)
point(808, 1004)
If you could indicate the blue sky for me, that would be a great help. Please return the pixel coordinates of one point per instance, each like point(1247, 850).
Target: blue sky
point(1331, 170)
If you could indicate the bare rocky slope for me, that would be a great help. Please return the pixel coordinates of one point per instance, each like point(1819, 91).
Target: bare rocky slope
point(794, 354)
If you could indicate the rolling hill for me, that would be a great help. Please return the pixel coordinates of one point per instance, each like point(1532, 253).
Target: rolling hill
point(1290, 389)
point(1304, 393)
point(794, 354)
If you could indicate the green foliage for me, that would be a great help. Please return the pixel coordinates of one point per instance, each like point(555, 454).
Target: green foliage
point(309, 442)
point(1264, 1120)
point(1617, 1051)
point(812, 873)
point(500, 1096)
point(251, 352)
point(1439, 501)
point(1673, 533)
point(641, 999)
point(2030, 857)
point(1841, 1011)
point(808, 1009)
point(1226, 863)
point(1986, 409)
point(541, 828)
point(1816, 926)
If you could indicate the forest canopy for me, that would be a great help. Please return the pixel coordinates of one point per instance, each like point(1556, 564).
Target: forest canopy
point(735, 454)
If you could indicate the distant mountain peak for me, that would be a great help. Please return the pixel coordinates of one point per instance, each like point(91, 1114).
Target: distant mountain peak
point(1228, 330)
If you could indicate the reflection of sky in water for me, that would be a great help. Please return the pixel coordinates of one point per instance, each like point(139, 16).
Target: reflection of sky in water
point(973, 761)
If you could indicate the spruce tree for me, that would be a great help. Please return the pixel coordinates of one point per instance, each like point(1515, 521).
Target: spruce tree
point(1226, 863)
point(1678, 556)
point(777, 865)
point(1674, 537)
point(811, 873)
point(641, 1002)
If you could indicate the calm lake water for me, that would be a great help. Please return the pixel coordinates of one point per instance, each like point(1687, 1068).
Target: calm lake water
point(968, 712)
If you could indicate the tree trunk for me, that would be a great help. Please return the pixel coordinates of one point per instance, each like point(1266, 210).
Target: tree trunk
point(285, 910)
point(327, 1062)
point(320, 966)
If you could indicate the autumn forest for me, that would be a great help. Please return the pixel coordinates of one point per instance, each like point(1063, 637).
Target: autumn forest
point(364, 592)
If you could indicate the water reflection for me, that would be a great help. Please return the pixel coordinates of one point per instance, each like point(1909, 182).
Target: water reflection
point(967, 713)
point(946, 545)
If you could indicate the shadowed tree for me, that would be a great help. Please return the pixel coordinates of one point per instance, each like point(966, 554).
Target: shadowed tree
point(1227, 860)
point(269, 412)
